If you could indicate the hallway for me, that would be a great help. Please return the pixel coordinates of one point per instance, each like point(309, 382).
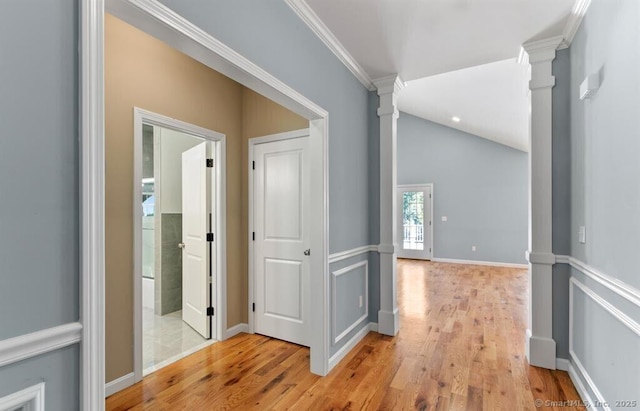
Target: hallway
point(460, 346)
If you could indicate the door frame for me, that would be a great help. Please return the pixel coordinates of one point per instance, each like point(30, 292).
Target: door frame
point(305, 132)
point(218, 202)
point(163, 23)
point(418, 187)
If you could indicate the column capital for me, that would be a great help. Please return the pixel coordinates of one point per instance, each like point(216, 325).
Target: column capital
point(543, 50)
point(389, 84)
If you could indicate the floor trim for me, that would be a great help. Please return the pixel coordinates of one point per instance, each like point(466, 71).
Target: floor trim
point(562, 364)
point(474, 262)
point(578, 378)
point(237, 329)
point(119, 384)
point(346, 349)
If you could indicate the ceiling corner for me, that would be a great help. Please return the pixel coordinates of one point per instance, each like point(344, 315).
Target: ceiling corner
point(311, 19)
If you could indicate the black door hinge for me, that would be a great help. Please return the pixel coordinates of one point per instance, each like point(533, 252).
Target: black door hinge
point(209, 162)
point(253, 235)
point(210, 311)
point(253, 165)
point(210, 237)
point(253, 307)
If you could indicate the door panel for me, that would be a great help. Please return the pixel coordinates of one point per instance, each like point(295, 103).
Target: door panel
point(195, 252)
point(415, 223)
point(280, 275)
point(281, 268)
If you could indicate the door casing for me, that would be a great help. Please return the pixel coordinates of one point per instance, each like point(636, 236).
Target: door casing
point(218, 200)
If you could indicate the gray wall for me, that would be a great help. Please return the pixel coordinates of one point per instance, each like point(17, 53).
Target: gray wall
point(481, 187)
point(605, 191)
point(39, 184)
point(605, 144)
point(38, 165)
point(273, 36)
point(561, 203)
point(59, 370)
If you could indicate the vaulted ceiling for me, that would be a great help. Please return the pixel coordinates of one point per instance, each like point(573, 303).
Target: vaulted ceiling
point(458, 57)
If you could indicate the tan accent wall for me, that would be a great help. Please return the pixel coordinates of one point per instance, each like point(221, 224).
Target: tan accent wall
point(141, 71)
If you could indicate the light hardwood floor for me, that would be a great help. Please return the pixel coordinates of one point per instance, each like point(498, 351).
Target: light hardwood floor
point(460, 347)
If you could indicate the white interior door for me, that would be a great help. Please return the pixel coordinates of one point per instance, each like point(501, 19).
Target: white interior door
point(415, 222)
point(281, 246)
point(196, 290)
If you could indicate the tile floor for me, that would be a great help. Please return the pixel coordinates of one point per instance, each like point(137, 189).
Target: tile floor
point(167, 339)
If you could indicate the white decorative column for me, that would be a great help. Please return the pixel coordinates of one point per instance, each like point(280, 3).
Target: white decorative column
point(388, 88)
point(541, 347)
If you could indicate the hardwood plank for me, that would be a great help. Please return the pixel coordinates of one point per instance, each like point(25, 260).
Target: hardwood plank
point(460, 346)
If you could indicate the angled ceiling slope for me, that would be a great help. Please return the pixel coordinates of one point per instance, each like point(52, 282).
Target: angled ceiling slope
point(422, 40)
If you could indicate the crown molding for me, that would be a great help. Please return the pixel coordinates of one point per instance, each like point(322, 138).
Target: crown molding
point(311, 19)
point(563, 41)
point(573, 22)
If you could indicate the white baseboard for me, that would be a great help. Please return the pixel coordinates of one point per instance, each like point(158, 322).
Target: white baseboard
point(346, 349)
point(562, 364)
point(473, 262)
point(577, 377)
point(373, 327)
point(119, 384)
point(575, 374)
point(237, 329)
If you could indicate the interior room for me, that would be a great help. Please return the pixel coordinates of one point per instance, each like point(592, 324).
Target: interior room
point(382, 205)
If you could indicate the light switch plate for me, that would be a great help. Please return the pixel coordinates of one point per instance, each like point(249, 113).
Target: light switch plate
point(444, 218)
point(582, 235)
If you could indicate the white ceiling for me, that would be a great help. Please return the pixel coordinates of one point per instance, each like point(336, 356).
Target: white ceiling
point(425, 38)
point(490, 100)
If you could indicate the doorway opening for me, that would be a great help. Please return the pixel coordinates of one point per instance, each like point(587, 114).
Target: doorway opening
point(415, 221)
point(178, 175)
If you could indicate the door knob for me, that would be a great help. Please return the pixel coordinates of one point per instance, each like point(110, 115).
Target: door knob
point(181, 245)
point(307, 252)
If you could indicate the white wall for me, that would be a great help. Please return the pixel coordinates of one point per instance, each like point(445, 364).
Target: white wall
point(172, 145)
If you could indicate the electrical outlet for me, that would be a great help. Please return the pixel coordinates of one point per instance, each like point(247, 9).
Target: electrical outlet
point(360, 299)
point(473, 248)
point(444, 218)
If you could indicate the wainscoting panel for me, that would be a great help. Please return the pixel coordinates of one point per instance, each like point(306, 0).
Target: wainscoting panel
point(349, 299)
point(604, 338)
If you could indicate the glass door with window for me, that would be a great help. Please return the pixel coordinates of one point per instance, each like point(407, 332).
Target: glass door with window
point(415, 222)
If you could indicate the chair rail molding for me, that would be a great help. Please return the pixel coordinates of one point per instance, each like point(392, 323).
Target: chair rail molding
point(540, 345)
point(343, 255)
point(39, 342)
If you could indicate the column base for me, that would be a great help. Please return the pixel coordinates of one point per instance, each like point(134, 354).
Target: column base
point(388, 322)
point(541, 351)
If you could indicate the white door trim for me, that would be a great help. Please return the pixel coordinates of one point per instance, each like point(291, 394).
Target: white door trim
point(252, 143)
point(417, 187)
point(166, 25)
point(141, 117)
point(92, 177)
